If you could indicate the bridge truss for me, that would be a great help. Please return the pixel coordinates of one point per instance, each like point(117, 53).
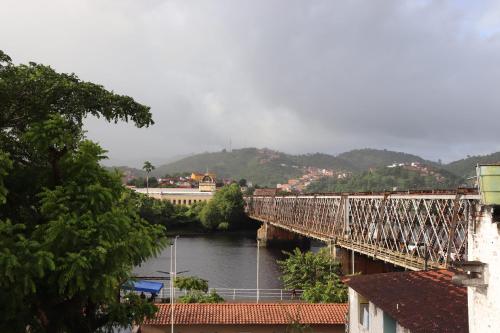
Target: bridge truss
point(411, 230)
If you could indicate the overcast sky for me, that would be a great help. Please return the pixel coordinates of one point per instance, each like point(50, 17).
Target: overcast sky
point(297, 76)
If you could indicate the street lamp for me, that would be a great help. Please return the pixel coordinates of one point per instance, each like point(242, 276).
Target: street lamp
point(173, 274)
point(258, 255)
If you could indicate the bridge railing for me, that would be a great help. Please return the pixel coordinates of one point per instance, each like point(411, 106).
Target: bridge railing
point(410, 229)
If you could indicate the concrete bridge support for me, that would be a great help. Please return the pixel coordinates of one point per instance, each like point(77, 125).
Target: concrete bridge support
point(269, 236)
point(359, 263)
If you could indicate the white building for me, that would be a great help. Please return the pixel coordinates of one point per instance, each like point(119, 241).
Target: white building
point(483, 272)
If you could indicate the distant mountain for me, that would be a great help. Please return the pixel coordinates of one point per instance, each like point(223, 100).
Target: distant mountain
point(268, 167)
point(467, 167)
point(128, 172)
point(365, 159)
point(260, 166)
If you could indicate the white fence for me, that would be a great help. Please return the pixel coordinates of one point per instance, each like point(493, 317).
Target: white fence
point(235, 294)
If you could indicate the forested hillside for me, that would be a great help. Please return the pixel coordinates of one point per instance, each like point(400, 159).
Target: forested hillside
point(268, 167)
point(364, 159)
point(467, 167)
point(387, 179)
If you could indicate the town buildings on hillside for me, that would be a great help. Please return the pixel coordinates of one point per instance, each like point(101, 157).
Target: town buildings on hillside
point(183, 195)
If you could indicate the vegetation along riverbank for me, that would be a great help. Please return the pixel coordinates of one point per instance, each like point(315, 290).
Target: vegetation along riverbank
point(224, 212)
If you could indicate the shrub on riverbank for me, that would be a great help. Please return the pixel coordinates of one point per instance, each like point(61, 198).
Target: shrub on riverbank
point(225, 211)
point(196, 290)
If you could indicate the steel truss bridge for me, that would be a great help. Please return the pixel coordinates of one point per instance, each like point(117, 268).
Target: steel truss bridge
point(410, 229)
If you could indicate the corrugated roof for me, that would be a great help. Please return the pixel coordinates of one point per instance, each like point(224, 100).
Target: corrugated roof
point(424, 301)
point(250, 313)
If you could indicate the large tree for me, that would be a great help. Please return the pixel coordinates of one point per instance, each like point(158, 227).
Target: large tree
point(317, 274)
point(69, 232)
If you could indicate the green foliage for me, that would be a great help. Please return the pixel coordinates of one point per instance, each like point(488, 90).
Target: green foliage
point(386, 179)
point(172, 217)
point(365, 159)
point(200, 297)
point(268, 168)
point(191, 283)
point(332, 291)
point(70, 232)
point(315, 273)
point(148, 167)
point(467, 167)
point(225, 209)
point(197, 290)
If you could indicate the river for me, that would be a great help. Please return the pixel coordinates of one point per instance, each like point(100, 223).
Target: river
point(225, 260)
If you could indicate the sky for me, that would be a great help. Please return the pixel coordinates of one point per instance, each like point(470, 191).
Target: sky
point(297, 76)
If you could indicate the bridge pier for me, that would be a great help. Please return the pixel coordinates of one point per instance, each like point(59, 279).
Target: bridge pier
point(352, 262)
point(270, 236)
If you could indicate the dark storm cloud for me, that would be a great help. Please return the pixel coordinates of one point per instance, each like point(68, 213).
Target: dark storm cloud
point(299, 76)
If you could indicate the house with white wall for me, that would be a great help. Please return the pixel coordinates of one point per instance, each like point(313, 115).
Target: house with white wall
point(407, 302)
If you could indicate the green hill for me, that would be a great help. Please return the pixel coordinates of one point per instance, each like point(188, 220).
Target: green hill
point(365, 159)
point(467, 167)
point(388, 179)
point(267, 167)
point(260, 166)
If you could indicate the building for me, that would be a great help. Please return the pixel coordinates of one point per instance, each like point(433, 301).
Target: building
point(265, 191)
point(183, 196)
point(197, 177)
point(407, 302)
point(482, 271)
point(247, 317)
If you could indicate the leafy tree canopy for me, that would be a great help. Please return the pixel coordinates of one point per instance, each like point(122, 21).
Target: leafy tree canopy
point(69, 232)
point(317, 274)
point(197, 290)
point(225, 209)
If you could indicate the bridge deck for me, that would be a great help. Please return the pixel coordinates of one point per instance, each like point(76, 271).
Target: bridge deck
point(407, 229)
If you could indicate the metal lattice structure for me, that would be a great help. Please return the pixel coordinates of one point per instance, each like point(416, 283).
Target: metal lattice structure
point(406, 229)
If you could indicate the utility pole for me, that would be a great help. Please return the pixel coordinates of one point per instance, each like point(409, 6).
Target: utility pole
point(258, 255)
point(171, 289)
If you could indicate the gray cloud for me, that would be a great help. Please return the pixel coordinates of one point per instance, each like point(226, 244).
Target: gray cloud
point(298, 76)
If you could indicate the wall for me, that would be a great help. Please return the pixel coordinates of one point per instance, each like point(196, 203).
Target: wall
point(376, 317)
point(269, 235)
point(236, 328)
point(484, 246)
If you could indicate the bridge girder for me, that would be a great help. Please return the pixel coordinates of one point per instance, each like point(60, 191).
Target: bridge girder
point(408, 230)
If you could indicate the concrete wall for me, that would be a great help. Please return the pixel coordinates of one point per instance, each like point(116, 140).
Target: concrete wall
point(484, 246)
point(269, 235)
point(237, 329)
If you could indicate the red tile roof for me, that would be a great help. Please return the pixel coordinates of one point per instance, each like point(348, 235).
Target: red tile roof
point(250, 313)
point(424, 301)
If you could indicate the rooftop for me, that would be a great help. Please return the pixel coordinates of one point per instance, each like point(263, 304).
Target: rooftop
point(424, 301)
point(250, 313)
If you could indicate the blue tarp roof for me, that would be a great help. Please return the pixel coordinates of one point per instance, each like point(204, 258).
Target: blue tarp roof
point(143, 285)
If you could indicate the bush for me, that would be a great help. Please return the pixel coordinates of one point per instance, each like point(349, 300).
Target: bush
point(315, 273)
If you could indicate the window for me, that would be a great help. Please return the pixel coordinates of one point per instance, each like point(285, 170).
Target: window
point(189, 202)
point(389, 324)
point(364, 312)
point(184, 201)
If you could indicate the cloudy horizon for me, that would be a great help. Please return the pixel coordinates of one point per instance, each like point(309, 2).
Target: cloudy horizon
point(420, 77)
